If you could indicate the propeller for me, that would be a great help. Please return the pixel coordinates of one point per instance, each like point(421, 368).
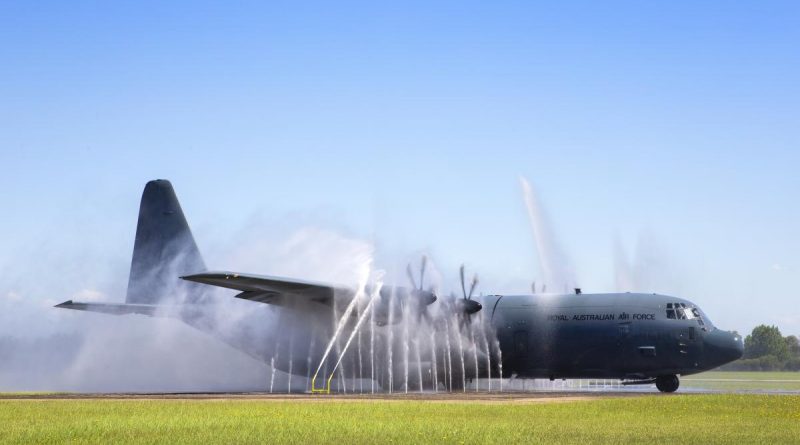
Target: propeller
point(467, 305)
point(422, 266)
point(423, 297)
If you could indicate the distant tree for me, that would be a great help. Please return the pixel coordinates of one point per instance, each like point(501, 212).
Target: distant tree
point(793, 345)
point(766, 340)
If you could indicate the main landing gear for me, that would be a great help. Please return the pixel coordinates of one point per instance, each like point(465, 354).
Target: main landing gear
point(667, 383)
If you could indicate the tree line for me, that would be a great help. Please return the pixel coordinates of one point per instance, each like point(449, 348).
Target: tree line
point(766, 349)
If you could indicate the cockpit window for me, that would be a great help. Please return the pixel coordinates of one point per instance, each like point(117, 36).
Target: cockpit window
point(683, 313)
point(680, 311)
point(670, 311)
point(699, 318)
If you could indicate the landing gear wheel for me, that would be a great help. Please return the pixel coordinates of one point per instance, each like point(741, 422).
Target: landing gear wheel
point(667, 383)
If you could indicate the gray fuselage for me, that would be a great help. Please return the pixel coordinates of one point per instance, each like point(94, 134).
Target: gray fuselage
point(622, 335)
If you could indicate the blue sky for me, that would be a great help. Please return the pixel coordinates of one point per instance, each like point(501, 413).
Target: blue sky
point(672, 124)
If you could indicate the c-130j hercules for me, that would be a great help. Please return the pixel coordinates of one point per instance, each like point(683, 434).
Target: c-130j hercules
point(401, 337)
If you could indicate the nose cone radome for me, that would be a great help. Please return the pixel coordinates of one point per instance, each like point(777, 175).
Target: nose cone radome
point(723, 347)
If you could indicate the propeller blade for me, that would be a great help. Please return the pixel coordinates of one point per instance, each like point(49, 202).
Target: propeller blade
point(411, 276)
point(533, 287)
point(463, 287)
point(422, 270)
point(472, 287)
point(423, 314)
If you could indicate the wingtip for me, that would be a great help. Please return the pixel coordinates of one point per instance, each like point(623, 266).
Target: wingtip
point(194, 276)
point(67, 303)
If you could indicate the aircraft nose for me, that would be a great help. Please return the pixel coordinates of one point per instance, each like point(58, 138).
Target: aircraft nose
point(723, 347)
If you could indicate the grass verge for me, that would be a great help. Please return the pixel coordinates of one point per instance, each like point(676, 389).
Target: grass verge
point(707, 418)
point(743, 381)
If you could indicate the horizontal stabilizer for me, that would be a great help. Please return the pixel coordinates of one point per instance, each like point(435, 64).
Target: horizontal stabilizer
point(113, 308)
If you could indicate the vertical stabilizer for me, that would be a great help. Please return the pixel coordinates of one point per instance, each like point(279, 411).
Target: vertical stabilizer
point(163, 251)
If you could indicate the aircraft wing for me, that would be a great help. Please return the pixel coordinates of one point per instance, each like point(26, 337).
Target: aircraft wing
point(271, 290)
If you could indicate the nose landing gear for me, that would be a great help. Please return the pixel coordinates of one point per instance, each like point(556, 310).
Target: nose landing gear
point(667, 383)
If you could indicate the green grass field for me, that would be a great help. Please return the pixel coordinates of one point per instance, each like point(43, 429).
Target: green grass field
point(743, 381)
point(690, 419)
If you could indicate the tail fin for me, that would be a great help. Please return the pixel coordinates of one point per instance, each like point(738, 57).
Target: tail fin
point(163, 251)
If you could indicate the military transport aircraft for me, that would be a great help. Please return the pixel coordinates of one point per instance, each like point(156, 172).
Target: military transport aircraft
point(403, 337)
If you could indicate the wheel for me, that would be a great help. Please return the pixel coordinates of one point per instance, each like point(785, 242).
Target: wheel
point(667, 383)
